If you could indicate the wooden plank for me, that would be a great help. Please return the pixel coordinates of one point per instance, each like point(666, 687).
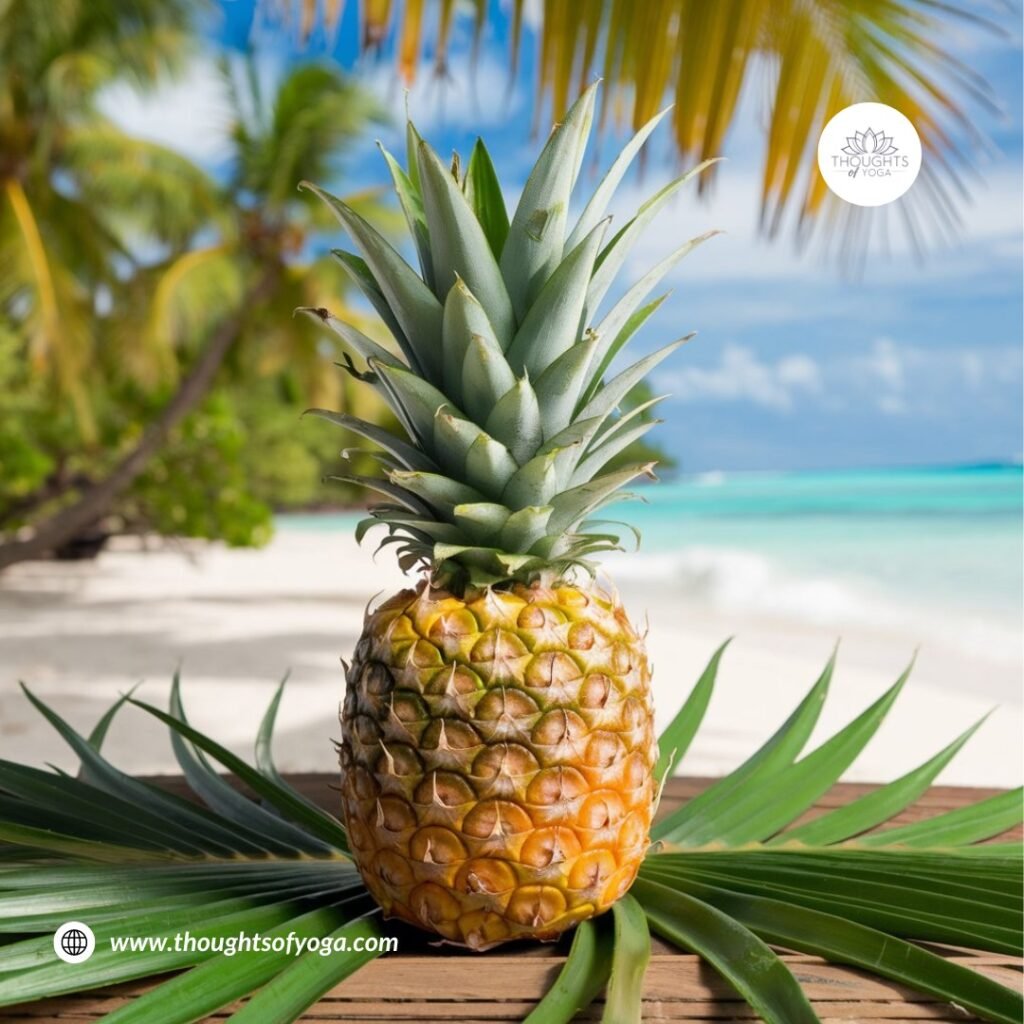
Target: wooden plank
point(467, 988)
point(678, 988)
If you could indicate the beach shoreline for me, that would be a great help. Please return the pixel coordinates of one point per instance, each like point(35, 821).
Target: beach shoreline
point(81, 634)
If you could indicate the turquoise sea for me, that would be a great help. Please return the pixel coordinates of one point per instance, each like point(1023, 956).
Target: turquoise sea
point(847, 543)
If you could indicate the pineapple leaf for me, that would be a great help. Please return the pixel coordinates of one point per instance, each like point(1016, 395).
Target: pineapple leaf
point(578, 502)
point(358, 270)
point(534, 484)
point(580, 433)
point(612, 349)
point(413, 304)
point(525, 527)
point(560, 386)
point(483, 190)
point(439, 491)
point(412, 207)
point(614, 254)
point(383, 460)
point(516, 421)
point(614, 426)
point(597, 205)
point(613, 325)
point(536, 236)
point(353, 338)
point(486, 376)
point(506, 344)
point(554, 321)
point(608, 449)
point(101, 814)
point(489, 465)
point(412, 146)
point(482, 520)
point(452, 438)
point(881, 892)
point(400, 495)
point(464, 317)
point(202, 828)
point(607, 398)
point(405, 453)
point(415, 399)
point(459, 246)
point(469, 453)
point(99, 731)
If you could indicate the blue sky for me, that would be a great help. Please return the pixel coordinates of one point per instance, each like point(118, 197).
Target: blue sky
point(796, 366)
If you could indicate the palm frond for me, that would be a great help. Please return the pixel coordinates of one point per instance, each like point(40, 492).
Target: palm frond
point(146, 189)
point(132, 859)
point(815, 59)
point(55, 325)
point(735, 874)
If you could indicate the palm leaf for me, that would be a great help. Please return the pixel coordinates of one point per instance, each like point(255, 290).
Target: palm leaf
point(740, 956)
point(704, 56)
point(585, 973)
point(133, 860)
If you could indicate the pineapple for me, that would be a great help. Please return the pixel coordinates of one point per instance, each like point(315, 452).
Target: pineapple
point(497, 731)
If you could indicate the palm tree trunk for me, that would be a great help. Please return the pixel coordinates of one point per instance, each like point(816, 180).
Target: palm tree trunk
point(95, 501)
point(58, 484)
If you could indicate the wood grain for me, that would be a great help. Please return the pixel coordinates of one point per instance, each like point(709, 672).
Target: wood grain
point(416, 984)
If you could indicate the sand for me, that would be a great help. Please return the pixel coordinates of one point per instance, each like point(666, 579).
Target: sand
point(80, 634)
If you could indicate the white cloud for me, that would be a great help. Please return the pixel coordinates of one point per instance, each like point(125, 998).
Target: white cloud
point(904, 377)
point(893, 378)
point(190, 114)
point(742, 376)
point(886, 362)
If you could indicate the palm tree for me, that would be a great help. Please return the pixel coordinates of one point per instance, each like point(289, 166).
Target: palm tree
point(183, 315)
point(812, 58)
point(74, 189)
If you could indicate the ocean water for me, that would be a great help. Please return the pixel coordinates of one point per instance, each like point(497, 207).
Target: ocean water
point(835, 547)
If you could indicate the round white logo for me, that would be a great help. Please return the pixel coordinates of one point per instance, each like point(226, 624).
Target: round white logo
point(74, 942)
point(869, 154)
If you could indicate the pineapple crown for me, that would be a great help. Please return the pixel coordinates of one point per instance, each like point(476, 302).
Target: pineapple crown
point(500, 382)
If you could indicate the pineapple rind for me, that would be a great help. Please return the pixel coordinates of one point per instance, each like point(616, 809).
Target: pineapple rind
point(498, 753)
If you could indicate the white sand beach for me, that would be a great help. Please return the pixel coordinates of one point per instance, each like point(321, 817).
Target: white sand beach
point(80, 634)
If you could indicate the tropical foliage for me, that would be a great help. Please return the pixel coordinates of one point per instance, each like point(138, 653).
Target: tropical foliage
point(729, 877)
point(154, 369)
point(813, 59)
point(74, 187)
point(133, 284)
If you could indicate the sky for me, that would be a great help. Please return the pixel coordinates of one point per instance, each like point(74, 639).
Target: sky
point(914, 360)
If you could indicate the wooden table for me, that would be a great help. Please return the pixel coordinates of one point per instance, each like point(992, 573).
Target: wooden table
point(418, 985)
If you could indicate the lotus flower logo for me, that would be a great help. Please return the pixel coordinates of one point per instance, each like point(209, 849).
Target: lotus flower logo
point(857, 157)
point(869, 143)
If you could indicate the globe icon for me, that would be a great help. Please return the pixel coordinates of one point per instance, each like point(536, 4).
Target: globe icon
point(74, 942)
